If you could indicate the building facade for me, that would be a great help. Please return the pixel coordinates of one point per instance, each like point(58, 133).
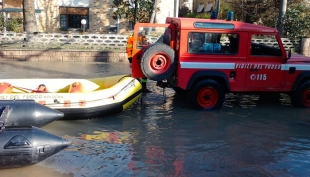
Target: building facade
point(204, 6)
point(66, 15)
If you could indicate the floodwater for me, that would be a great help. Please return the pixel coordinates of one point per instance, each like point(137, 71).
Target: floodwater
point(252, 135)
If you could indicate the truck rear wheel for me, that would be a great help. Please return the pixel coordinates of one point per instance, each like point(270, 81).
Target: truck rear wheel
point(158, 62)
point(207, 94)
point(301, 97)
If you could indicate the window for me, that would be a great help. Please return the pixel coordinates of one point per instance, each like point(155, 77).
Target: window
point(200, 8)
point(63, 21)
point(18, 142)
point(263, 44)
point(209, 7)
point(150, 35)
point(213, 43)
point(131, 25)
point(70, 17)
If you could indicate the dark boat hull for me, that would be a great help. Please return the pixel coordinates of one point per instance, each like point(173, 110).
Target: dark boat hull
point(23, 146)
point(27, 112)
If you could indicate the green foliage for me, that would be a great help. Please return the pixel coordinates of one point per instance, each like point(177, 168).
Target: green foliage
point(126, 10)
point(183, 11)
point(263, 11)
point(13, 24)
point(224, 9)
point(296, 22)
point(198, 15)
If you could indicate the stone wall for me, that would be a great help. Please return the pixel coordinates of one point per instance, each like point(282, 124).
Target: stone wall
point(76, 41)
point(62, 55)
point(85, 47)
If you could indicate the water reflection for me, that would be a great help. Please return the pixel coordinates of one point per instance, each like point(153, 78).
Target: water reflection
point(94, 155)
point(252, 135)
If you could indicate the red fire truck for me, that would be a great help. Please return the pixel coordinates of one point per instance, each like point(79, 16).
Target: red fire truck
point(207, 58)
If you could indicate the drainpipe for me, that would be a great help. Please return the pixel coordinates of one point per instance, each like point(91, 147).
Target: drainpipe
point(4, 17)
point(217, 9)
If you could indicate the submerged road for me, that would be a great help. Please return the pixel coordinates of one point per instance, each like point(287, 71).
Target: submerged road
point(252, 135)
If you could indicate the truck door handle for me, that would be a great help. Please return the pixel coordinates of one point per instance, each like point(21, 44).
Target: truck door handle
point(292, 70)
point(253, 69)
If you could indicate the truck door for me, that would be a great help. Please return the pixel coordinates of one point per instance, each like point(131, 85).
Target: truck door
point(265, 58)
point(145, 34)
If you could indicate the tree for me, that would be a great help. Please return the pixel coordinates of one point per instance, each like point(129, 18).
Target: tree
point(259, 11)
point(29, 16)
point(296, 22)
point(153, 13)
point(135, 10)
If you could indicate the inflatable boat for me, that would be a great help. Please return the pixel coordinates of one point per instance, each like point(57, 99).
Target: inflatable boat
point(26, 113)
point(27, 145)
point(22, 144)
point(76, 98)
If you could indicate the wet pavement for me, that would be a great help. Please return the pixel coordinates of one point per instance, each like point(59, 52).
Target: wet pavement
point(252, 135)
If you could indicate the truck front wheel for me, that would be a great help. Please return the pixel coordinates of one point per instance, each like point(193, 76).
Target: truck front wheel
point(301, 97)
point(207, 94)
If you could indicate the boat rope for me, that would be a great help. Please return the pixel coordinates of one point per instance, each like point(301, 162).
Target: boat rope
point(131, 82)
point(129, 75)
point(27, 89)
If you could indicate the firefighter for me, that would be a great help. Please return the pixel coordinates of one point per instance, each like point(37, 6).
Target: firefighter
point(129, 48)
point(142, 41)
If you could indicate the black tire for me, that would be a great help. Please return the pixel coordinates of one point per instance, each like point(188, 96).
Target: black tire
point(301, 97)
point(207, 94)
point(158, 62)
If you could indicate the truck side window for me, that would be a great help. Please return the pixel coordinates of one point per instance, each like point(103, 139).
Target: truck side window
point(213, 43)
point(263, 44)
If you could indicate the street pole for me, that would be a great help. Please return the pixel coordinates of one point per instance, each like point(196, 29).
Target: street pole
point(217, 9)
point(282, 11)
point(176, 8)
point(4, 17)
point(242, 13)
point(118, 17)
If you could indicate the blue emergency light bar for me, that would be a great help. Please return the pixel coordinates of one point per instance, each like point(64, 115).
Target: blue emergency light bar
point(209, 25)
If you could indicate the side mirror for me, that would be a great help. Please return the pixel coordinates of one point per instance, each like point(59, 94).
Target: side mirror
point(288, 54)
